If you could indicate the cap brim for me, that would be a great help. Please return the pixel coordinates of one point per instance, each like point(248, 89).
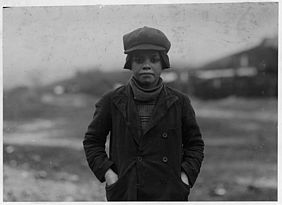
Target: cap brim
point(145, 47)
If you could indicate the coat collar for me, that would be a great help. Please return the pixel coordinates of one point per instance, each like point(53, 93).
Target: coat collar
point(123, 100)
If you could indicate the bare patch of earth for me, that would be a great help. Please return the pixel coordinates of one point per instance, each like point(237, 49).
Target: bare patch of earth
point(39, 132)
point(31, 185)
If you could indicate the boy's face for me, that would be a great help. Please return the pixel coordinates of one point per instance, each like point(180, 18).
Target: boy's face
point(146, 67)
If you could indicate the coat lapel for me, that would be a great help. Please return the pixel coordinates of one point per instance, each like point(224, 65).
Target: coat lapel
point(120, 101)
point(166, 100)
point(124, 102)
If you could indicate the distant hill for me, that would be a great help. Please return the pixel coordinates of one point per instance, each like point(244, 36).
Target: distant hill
point(94, 82)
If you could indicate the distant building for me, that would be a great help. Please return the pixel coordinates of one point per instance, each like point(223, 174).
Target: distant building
point(249, 73)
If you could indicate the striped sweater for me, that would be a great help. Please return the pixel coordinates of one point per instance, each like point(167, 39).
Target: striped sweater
point(145, 111)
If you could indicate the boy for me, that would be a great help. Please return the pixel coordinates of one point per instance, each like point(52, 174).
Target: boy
point(156, 148)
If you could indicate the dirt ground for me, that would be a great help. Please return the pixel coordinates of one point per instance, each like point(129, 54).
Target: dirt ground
point(44, 158)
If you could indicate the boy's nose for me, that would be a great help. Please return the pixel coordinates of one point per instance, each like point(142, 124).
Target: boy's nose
point(146, 66)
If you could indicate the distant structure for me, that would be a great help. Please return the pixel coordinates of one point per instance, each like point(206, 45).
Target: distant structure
point(249, 73)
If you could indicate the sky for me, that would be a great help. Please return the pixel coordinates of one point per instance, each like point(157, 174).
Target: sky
point(46, 43)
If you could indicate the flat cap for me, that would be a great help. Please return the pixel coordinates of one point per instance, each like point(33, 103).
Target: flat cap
point(145, 38)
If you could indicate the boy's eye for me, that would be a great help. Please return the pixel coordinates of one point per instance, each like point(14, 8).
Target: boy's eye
point(138, 60)
point(155, 59)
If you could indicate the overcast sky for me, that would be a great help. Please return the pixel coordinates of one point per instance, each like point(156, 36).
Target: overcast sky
point(42, 44)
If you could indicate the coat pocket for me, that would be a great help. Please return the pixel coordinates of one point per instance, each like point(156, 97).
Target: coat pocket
point(108, 187)
point(181, 189)
point(186, 186)
point(118, 191)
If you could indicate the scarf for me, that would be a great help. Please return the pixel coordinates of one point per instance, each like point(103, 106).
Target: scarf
point(143, 94)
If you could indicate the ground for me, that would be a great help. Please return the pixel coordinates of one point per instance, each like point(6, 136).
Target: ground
point(44, 159)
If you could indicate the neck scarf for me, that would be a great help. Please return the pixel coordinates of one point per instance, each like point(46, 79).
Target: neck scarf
point(145, 94)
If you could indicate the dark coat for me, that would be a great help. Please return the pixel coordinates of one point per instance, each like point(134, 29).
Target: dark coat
point(148, 165)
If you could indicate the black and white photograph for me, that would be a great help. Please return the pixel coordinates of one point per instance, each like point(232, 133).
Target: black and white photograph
point(160, 101)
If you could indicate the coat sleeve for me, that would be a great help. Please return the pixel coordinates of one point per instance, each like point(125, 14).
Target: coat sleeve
point(95, 139)
point(193, 144)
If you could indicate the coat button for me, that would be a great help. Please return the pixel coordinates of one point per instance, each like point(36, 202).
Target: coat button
point(139, 159)
point(165, 159)
point(164, 135)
